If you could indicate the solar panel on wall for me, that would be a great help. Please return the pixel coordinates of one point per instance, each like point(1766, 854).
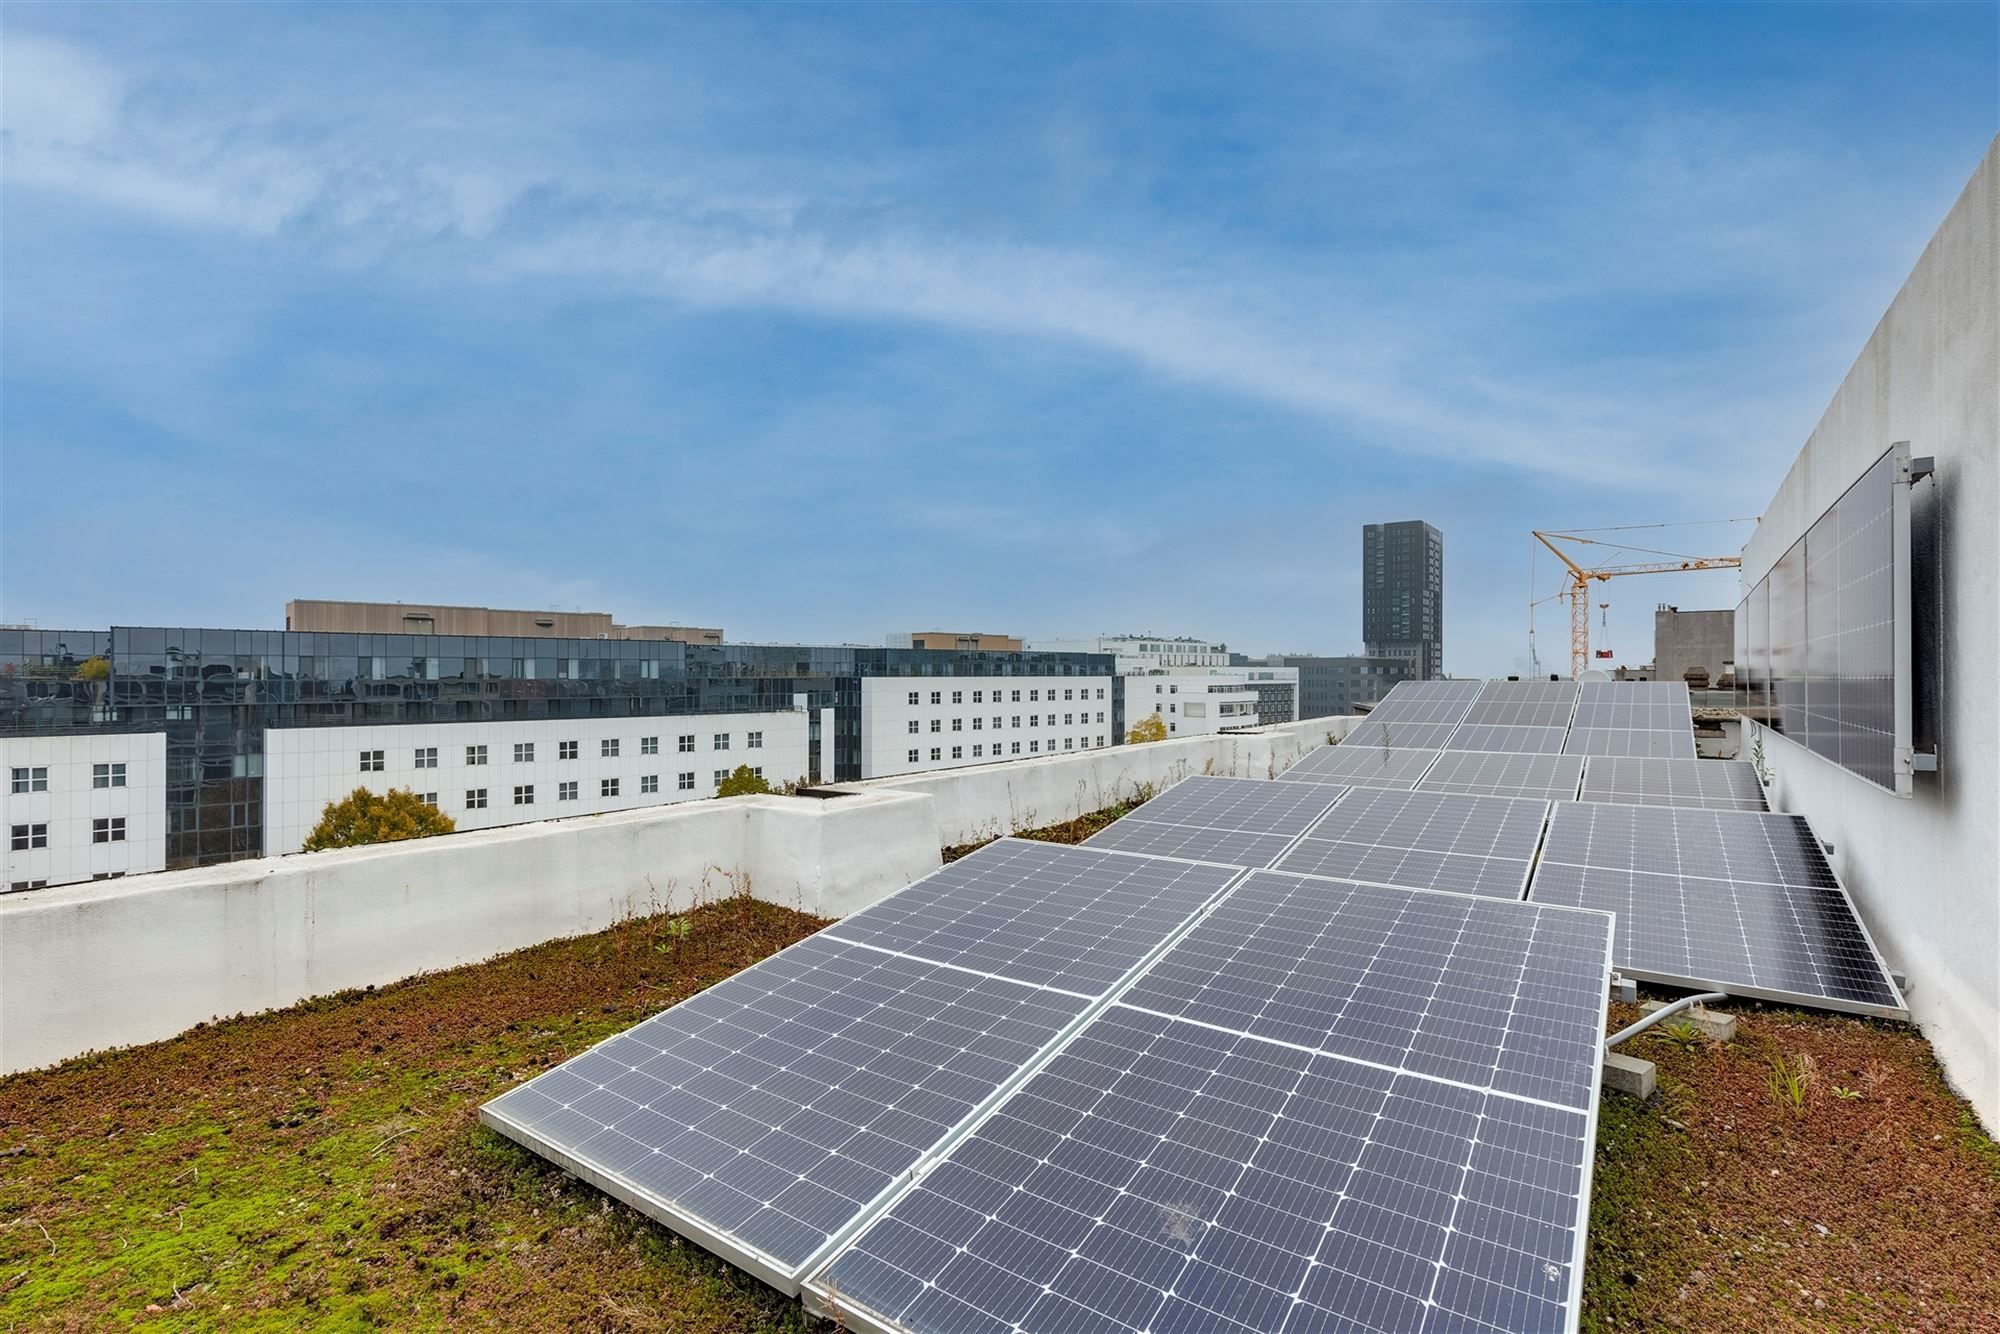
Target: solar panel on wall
point(1330, 1106)
point(1736, 901)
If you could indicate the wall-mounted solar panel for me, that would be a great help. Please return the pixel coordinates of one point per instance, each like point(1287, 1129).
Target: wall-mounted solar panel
point(1425, 840)
point(1508, 739)
point(1829, 631)
point(763, 1116)
point(1482, 774)
point(1232, 821)
point(1360, 766)
point(1729, 785)
point(1330, 1106)
point(1524, 704)
point(1737, 901)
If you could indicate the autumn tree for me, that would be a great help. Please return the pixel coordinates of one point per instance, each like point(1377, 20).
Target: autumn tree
point(364, 817)
point(742, 782)
point(1150, 728)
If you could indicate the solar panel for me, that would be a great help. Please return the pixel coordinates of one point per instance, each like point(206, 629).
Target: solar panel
point(761, 1116)
point(1172, 1175)
point(1425, 840)
point(1736, 901)
point(1504, 775)
point(1427, 701)
point(1524, 704)
point(1360, 765)
point(1624, 741)
point(1508, 740)
point(1041, 913)
point(1231, 821)
point(1729, 785)
point(1632, 716)
point(1395, 734)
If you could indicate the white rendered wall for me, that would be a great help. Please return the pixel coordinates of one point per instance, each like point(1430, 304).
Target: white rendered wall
point(1925, 870)
point(306, 767)
point(72, 803)
point(964, 718)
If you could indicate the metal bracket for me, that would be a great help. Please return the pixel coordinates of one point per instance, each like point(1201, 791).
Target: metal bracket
point(1923, 761)
point(1922, 466)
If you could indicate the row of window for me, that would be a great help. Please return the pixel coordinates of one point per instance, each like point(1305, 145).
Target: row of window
point(36, 778)
point(426, 757)
point(978, 723)
point(979, 749)
point(979, 696)
point(524, 793)
point(28, 837)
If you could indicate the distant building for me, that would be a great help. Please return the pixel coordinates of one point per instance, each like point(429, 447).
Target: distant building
point(1330, 687)
point(1197, 686)
point(1402, 595)
point(956, 641)
point(423, 618)
point(1693, 641)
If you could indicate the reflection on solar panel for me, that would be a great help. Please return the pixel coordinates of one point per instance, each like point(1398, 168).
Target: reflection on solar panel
point(1234, 821)
point(1623, 741)
point(1427, 702)
point(1393, 734)
point(1425, 840)
point(1737, 901)
point(1729, 785)
point(1508, 740)
point(1369, 1169)
point(1041, 913)
point(762, 1115)
point(1504, 775)
point(1524, 704)
point(1360, 765)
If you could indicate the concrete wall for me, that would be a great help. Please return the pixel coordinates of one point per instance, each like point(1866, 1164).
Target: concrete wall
point(1687, 639)
point(983, 801)
point(1925, 869)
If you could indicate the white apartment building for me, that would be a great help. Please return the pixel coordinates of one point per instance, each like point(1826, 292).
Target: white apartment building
point(1191, 683)
point(487, 774)
point(1146, 653)
point(88, 807)
point(910, 724)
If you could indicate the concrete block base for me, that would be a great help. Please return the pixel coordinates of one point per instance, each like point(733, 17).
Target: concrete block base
point(1713, 1023)
point(1629, 1074)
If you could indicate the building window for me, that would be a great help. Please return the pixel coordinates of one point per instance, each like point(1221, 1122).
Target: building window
point(1034, 746)
point(684, 782)
point(996, 724)
point(30, 836)
point(607, 787)
point(475, 755)
point(1017, 697)
point(423, 757)
point(475, 799)
point(1034, 695)
point(565, 750)
point(607, 749)
point(649, 745)
point(914, 757)
point(915, 697)
point(958, 724)
point(1069, 694)
point(977, 722)
point(754, 741)
point(32, 780)
point(1100, 692)
point(685, 743)
point(1069, 743)
point(524, 794)
point(371, 761)
point(428, 798)
point(915, 727)
point(937, 696)
point(649, 784)
point(937, 724)
point(937, 752)
point(1017, 748)
point(978, 751)
point(1100, 718)
point(759, 771)
point(958, 697)
point(720, 774)
point(979, 697)
point(107, 775)
point(524, 752)
point(566, 791)
point(1034, 720)
point(958, 752)
point(722, 741)
point(1068, 719)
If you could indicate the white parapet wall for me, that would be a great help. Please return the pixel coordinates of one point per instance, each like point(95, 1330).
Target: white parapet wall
point(984, 801)
point(112, 963)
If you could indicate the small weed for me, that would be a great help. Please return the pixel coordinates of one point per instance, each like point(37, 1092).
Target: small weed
point(1845, 1094)
point(1791, 1081)
point(1682, 1034)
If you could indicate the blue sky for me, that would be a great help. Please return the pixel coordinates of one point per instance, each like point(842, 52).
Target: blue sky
point(822, 322)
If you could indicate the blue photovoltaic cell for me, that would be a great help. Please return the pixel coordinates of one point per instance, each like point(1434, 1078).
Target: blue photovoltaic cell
point(1042, 913)
point(1160, 1174)
point(768, 1110)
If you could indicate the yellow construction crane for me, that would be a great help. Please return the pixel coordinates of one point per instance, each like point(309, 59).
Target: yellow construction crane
point(1578, 578)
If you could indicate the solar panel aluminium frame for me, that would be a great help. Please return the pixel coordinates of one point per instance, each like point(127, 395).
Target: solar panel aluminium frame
point(826, 1302)
point(787, 1279)
point(1773, 994)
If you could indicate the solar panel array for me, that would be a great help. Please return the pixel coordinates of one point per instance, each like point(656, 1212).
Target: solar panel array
point(1311, 1114)
point(1551, 776)
point(1361, 765)
point(1737, 901)
point(1233, 821)
point(1425, 840)
point(1523, 704)
point(1509, 740)
point(1635, 718)
point(1729, 785)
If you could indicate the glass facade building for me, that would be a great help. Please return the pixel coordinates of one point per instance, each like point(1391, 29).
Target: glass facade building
point(1402, 595)
point(215, 692)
